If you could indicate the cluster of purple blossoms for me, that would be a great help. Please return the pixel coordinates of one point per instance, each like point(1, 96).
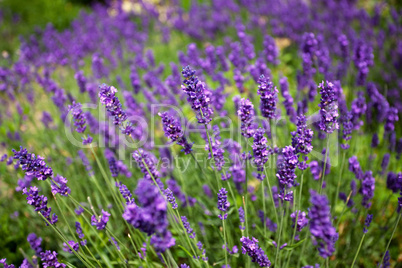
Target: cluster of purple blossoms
point(217, 150)
point(151, 216)
point(186, 225)
point(288, 102)
point(125, 192)
point(260, 149)
point(78, 116)
point(302, 220)
point(246, 114)
point(170, 198)
point(146, 162)
point(302, 138)
point(287, 167)
point(173, 131)
point(35, 243)
point(251, 248)
point(113, 106)
point(347, 128)
point(271, 51)
point(100, 221)
point(197, 95)
point(78, 230)
point(324, 235)
point(72, 245)
point(59, 186)
point(367, 222)
point(329, 108)
point(241, 218)
point(392, 117)
point(367, 190)
point(40, 203)
point(49, 259)
point(3, 261)
point(358, 108)
point(268, 94)
point(223, 203)
point(354, 166)
point(363, 59)
point(33, 165)
point(394, 181)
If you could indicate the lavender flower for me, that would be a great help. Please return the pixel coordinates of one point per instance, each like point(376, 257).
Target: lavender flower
point(385, 163)
point(186, 225)
point(392, 117)
point(125, 192)
point(40, 203)
point(271, 51)
point(241, 218)
point(33, 165)
point(329, 108)
point(286, 168)
point(354, 166)
point(59, 186)
point(197, 96)
point(347, 127)
point(367, 222)
point(260, 150)
point(302, 220)
point(78, 116)
point(302, 137)
point(49, 259)
point(75, 246)
point(100, 221)
point(3, 261)
point(322, 231)
point(368, 185)
point(269, 97)
point(217, 150)
point(173, 131)
point(145, 161)
point(113, 106)
point(386, 261)
point(288, 102)
point(251, 248)
point(78, 230)
point(35, 243)
point(170, 198)
point(223, 203)
point(246, 114)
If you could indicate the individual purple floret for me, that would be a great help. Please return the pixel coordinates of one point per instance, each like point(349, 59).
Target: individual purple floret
point(33, 165)
point(170, 198)
point(100, 221)
point(287, 167)
point(75, 246)
point(268, 94)
point(125, 192)
point(78, 116)
point(246, 114)
point(173, 131)
point(113, 106)
point(367, 222)
point(251, 248)
point(49, 259)
point(59, 186)
point(35, 243)
point(302, 220)
point(329, 108)
point(223, 203)
point(321, 229)
point(184, 266)
point(197, 95)
point(40, 203)
point(260, 149)
point(186, 225)
point(367, 190)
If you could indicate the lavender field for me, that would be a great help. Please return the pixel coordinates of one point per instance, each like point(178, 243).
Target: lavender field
point(223, 133)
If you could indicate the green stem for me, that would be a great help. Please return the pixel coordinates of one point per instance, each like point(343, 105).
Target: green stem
point(358, 249)
point(302, 250)
point(325, 164)
point(393, 232)
point(224, 238)
point(272, 195)
point(279, 235)
point(339, 180)
point(263, 205)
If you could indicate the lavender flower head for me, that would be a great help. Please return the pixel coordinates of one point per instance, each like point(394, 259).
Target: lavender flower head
point(59, 186)
point(329, 108)
point(302, 137)
point(197, 95)
point(269, 97)
point(173, 131)
point(302, 220)
point(251, 248)
point(368, 185)
point(321, 229)
point(35, 242)
point(186, 225)
point(286, 168)
point(246, 114)
point(223, 203)
point(40, 203)
point(78, 116)
point(107, 96)
point(33, 165)
point(170, 197)
point(260, 149)
point(100, 221)
point(49, 259)
point(367, 222)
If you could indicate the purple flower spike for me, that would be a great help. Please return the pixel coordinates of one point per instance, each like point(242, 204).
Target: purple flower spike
point(59, 186)
point(260, 149)
point(251, 248)
point(78, 116)
point(75, 246)
point(33, 165)
point(186, 225)
point(286, 168)
point(269, 97)
point(40, 203)
point(173, 131)
point(223, 203)
point(329, 108)
point(302, 220)
point(367, 222)
point(246, 114)
point(100, 221)
point(35, 243)
point(113, 106)
point(49, 259)
point(302, 137)
point(324, 235)
point(368, 185)
point(170, 198)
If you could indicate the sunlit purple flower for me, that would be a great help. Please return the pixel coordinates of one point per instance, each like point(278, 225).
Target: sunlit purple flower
point(75, 246)
point(40, 203)
point(246, 114)
point(49, 259)
point(33, 165)
point(107, 96)
point(173, 131)
point(329, 108)
point(251, 248)
point(170, 198)
point(260, 149)
point(186, 225)
point(268, 95)
point(59, 186)
point(367, 222)
point(78, 116)
point(100, 221)
point(368, 185)
point(223, 203)
point(35, 243)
